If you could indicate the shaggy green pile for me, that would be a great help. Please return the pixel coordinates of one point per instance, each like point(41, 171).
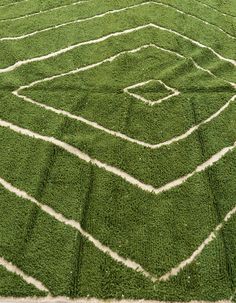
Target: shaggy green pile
point(157, 231)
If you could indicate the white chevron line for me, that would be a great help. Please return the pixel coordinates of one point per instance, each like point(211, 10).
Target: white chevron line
point(175, 270)
point(76, 225)
point(14, 269)
point(30, 34)
point(40, 13)
point(93, 124)
point(115, 170)
point(127, 262)
point(104, 38)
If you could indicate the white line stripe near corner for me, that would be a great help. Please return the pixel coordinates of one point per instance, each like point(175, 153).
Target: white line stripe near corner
point(81, 155)
point(94, 300)
point(175, 270)
point(214, 9)
point(110, 12)
point(13, 3)
point(76, 225)
point(14, 269)
point(38, 13)
point(197, 18)
point(233, 296)
point(69, 48)
point(104, 38)
point(65, 23)
point(114, 170)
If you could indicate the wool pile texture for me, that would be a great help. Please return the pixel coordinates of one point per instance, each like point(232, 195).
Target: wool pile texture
point(117, 150)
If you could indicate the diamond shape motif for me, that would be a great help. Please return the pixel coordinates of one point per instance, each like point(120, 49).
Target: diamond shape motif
point(151, 91)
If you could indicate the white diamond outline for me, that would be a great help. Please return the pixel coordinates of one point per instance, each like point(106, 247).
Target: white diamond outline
point(174, 92)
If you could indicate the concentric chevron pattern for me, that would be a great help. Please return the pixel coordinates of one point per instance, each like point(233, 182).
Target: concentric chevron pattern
point(118, 150)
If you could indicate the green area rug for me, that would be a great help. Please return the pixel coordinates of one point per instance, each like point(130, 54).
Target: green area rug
point(117, 150)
